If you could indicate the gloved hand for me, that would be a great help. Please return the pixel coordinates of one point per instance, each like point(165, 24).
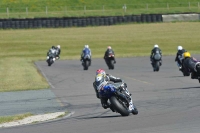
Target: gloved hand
point(114, 61)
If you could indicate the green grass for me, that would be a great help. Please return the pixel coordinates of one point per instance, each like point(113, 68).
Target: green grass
point(5, 119)
point(20, 47)
point(68, 8)
point(20, 74)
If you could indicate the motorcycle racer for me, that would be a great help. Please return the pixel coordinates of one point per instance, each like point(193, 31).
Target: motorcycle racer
point(52, 50)
point(156, 50)
point(192, 65)
point(58, 51)
point(86, 50)
point(179, 56)
point(106, 55)
point(102, 80)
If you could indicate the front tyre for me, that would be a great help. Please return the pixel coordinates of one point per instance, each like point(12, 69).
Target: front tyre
point(118, 106)
point(135, 111)
point(50, 62)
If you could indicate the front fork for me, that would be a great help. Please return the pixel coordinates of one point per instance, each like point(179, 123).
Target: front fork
point(131, 106)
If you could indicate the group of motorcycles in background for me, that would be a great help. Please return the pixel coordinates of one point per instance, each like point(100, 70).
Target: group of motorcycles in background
point(187, 65)
point(86, 57)
point(109, 57)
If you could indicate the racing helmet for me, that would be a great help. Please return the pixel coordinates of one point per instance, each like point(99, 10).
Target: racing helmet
point(179, 47)
point(109, 47)
point(156, 46)
point(100, 71)
point(58, 46)
point(186, 55)
point(53, 47)
point(86, 46)
point(100, 81)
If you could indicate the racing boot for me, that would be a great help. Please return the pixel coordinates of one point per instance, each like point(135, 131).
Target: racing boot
point(104, 103)
point(135, 111)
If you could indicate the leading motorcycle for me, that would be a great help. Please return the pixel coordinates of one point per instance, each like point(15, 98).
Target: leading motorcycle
point(120, 100)
point(51, 57)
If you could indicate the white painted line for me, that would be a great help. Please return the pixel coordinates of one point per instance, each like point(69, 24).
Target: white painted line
point(45, 77)
point(34, 119)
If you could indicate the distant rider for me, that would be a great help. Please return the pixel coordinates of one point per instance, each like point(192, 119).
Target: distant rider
point(102, 80)
point(58, 51)
point(154, 51)
point(51, 50)
point(107, 53)
point(190, 63)
point(86, 51)
point(179, 56)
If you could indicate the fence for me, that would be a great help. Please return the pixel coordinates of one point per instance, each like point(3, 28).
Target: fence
point(97, 10)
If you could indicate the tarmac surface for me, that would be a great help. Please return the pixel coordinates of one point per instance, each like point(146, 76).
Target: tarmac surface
point(34, 101)
point(167, 101)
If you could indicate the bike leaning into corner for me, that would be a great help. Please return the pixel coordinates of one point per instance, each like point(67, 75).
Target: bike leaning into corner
point(51, 56)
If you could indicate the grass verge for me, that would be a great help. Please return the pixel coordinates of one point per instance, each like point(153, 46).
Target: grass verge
point(5, 119)
point(20, 74)
point(72, 8)
point(19, 48)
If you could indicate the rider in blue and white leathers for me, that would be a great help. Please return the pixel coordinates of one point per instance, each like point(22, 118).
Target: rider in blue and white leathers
point(102, 81)
point(86, 51)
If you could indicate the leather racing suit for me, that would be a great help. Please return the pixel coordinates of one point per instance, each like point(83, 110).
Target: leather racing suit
point(179, 57)
point(85, 52)
point(104, 100)
point(109, 51)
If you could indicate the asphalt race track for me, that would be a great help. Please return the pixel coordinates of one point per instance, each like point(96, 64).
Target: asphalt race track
point(167, 101)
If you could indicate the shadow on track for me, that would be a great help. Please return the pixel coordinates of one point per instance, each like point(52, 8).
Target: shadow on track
point(184, 88)
point(98, 116)
point(177, 76)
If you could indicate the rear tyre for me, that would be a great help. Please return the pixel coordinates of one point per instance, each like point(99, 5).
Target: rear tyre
point(118, 106)
point(112, 64)
point(86, 65)
point(157, 64)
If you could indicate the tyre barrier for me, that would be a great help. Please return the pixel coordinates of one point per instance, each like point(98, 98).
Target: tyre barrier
point(77, 22)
